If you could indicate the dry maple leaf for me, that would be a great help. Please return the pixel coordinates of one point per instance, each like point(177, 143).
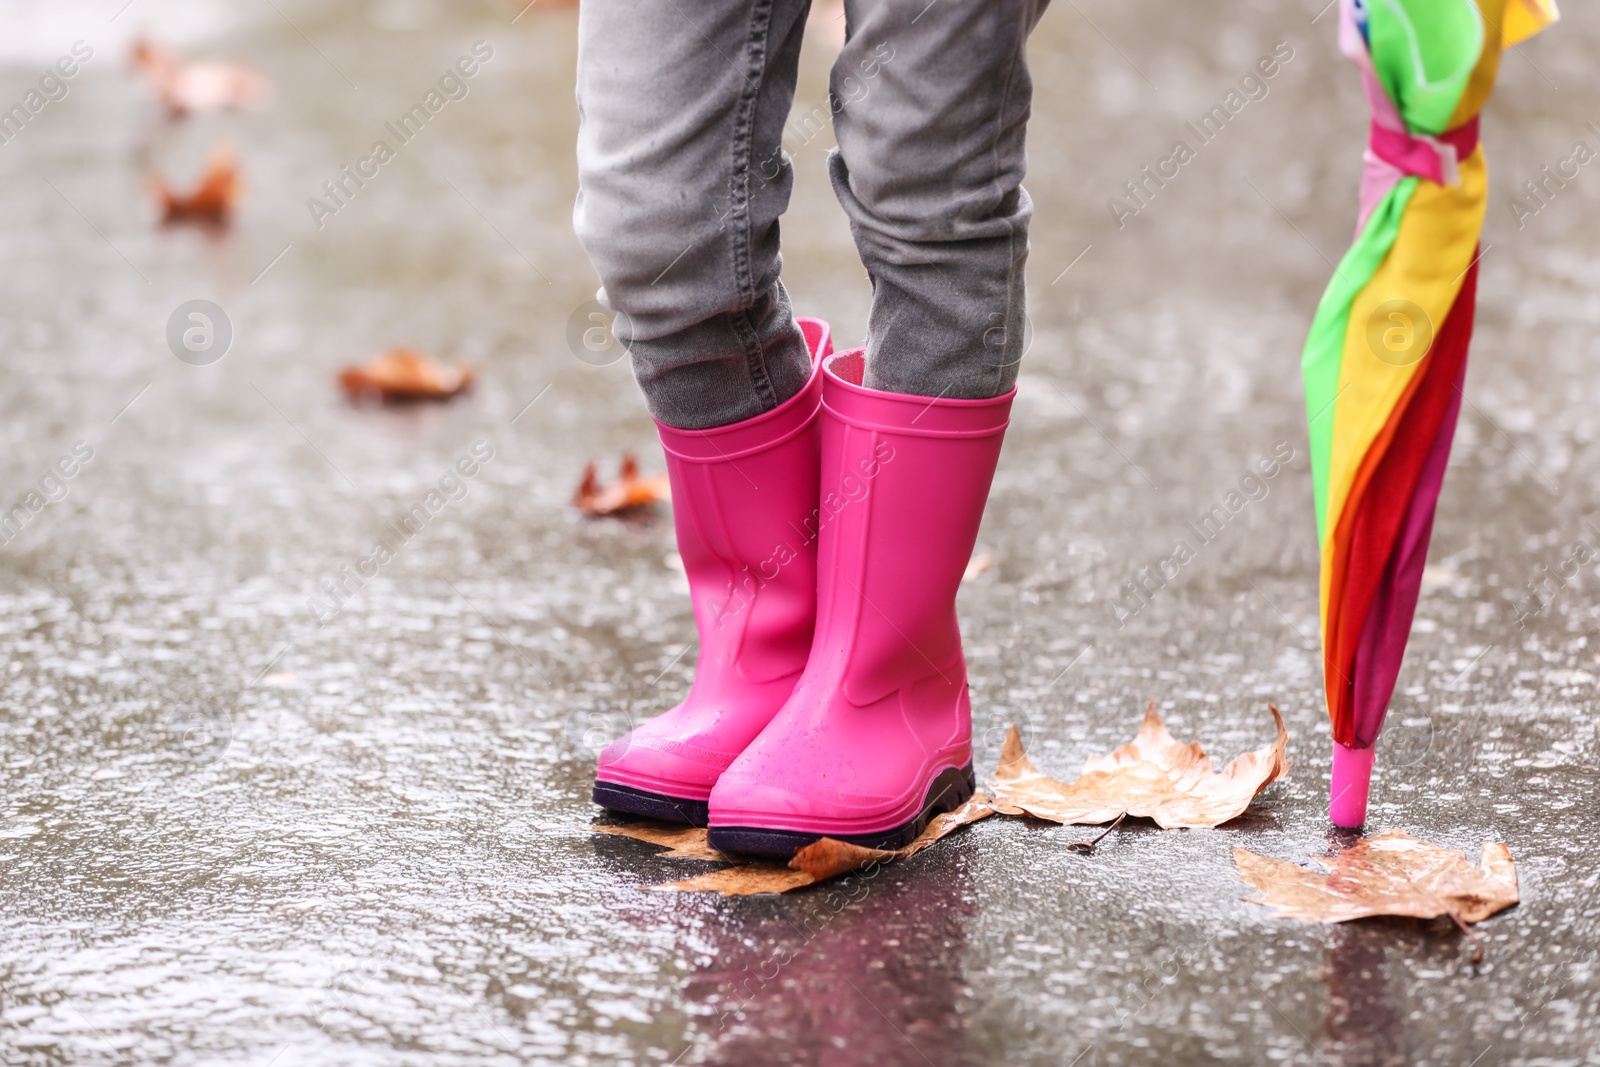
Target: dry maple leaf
point(747, 880)
point(820, 860)
point(1391, 873)
point(213, 200)
point(681, 842)
point(402, 375)
point(199, 85)
point(629, 491)
point(1154, 777)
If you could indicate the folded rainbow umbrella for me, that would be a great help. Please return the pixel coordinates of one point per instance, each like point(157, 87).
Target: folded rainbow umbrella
point(1386, 356)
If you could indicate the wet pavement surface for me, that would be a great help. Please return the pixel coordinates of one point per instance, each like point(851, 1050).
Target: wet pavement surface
point(241, 827)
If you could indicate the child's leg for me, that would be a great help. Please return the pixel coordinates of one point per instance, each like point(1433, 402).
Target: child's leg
point(932, 102)
point(682, 180)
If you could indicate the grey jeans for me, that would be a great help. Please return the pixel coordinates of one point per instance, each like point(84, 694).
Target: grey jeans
point(683, 176)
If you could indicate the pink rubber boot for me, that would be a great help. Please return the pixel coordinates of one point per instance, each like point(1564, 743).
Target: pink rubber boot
point(877, 737)
point(741, 496)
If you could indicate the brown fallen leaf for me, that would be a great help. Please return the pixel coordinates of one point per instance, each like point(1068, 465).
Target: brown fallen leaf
point(682, 842)
point(750, 879)
point(403, 375)
point(1391, 873)
point(628, 492)
point(1154, 777)
point(825, 859)
point(198, 85)
point(212, 200)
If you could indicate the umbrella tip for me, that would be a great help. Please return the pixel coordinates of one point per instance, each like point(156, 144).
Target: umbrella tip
point(1347, 789)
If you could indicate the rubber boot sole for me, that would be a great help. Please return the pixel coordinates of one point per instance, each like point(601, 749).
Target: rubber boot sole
point(951, 789)
point(626, 798)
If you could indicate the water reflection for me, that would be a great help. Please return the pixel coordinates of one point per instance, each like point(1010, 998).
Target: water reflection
point(867, 971)
point(1362, 1021)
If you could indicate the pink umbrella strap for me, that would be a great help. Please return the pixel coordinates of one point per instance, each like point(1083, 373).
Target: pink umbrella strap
point(1435, 158)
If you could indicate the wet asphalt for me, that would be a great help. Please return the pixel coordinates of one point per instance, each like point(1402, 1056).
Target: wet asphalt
point(245, 821)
